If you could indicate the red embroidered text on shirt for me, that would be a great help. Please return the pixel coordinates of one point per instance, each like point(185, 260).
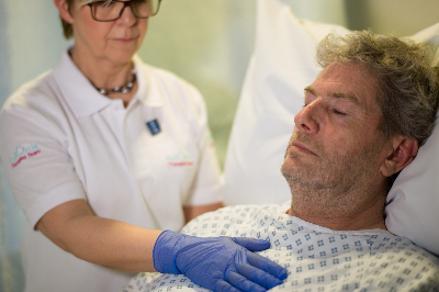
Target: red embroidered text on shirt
point(24, 152)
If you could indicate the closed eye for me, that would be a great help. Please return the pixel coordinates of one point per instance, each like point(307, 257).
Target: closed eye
point(337, 112)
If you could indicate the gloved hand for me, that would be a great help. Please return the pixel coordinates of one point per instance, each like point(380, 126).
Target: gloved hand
point(217, 263)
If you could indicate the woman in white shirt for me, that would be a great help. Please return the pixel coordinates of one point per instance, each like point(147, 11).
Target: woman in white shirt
point(103, 152)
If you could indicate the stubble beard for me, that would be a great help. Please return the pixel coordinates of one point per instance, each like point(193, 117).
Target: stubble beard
point(329, 185)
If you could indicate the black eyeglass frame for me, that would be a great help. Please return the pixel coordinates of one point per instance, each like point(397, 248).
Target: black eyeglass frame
point(125, 4)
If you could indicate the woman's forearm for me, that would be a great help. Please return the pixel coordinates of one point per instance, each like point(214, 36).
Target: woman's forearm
point(114, 244)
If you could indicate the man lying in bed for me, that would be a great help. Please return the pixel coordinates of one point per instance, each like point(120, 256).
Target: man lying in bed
point(366, 114)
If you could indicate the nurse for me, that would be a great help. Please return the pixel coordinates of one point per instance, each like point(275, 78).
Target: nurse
point(103, 152)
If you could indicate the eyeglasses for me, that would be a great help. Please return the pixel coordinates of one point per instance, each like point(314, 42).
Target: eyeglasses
point(111, 10)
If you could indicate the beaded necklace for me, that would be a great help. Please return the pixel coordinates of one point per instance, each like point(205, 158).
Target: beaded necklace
point(119, 89)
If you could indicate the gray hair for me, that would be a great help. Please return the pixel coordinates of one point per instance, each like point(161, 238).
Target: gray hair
point(408, 84)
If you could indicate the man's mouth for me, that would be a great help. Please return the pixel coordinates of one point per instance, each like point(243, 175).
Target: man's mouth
point(302, 148)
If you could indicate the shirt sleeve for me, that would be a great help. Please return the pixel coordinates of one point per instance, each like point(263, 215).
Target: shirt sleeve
point(208, 184)
point(34, 156)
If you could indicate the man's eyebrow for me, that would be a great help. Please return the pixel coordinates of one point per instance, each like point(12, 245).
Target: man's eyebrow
point(341, 95)
point(348, 96)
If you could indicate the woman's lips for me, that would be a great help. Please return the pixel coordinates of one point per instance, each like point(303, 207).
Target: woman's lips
point(126, 39)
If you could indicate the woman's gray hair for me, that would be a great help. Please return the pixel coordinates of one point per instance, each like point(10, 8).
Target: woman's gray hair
point(408, 84)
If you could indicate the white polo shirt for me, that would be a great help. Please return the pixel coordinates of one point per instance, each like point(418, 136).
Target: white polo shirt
point(61, 140)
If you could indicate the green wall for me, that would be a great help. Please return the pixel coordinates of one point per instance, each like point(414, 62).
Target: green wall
point(209, 44)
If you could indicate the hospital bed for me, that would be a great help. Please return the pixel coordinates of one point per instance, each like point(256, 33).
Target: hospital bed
point(283, 63)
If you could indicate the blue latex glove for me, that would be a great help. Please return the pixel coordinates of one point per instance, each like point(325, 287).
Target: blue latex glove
point(218, 263)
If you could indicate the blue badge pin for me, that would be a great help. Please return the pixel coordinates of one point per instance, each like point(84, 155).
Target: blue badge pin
point(153, 127)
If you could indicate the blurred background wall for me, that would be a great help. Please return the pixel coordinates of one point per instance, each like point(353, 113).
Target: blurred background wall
point(397, 17)
point(207, 42)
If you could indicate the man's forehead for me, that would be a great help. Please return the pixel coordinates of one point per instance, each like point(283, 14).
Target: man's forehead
point(352, 81)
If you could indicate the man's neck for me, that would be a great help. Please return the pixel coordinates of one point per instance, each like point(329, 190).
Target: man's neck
point(342, 213)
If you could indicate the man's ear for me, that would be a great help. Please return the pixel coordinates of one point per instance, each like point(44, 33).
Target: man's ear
point(404, 150)
point(63, 10)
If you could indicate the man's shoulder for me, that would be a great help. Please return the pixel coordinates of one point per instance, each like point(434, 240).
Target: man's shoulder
point(396, 249)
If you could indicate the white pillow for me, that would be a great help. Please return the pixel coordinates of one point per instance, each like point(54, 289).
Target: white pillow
point(283, 63)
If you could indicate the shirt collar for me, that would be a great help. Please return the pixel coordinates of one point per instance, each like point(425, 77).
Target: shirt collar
point(85, 100)
point(79, 93)
point(148, 91)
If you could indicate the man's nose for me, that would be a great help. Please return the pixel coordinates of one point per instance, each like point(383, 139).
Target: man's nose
point(308, 119)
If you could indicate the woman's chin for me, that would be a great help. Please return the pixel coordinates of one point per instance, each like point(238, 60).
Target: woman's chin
point(121, 57)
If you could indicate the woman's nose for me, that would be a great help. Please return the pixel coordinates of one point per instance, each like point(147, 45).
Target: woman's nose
point(307, 120)
point(128, 15)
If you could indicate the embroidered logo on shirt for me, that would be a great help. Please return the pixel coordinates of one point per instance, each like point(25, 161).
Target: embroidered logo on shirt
point(23, 152)
point(180, 159)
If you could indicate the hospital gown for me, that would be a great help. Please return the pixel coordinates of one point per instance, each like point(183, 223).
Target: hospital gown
point(317, 258)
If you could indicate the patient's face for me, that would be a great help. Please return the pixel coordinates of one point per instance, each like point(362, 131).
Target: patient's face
point(336, 144)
